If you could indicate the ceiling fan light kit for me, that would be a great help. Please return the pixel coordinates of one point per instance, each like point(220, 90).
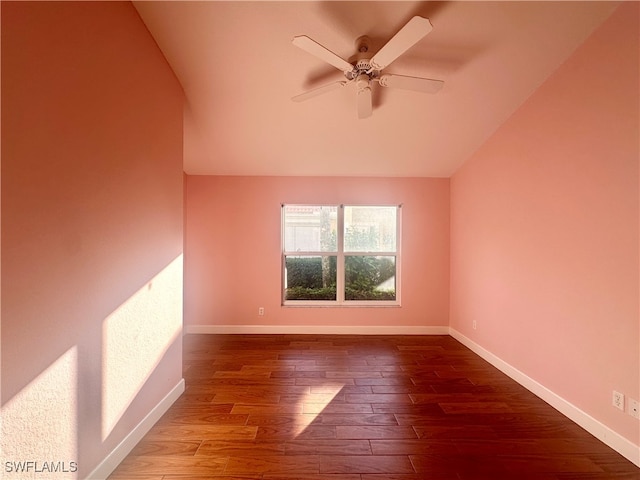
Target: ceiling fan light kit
point(364, 69)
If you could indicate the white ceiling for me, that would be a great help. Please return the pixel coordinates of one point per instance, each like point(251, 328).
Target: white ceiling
point(239, 70)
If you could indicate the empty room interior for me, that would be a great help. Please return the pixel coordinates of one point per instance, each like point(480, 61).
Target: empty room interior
point(320, 240)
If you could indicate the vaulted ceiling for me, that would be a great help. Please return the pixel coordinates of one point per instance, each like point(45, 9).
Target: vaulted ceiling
point(239, 70)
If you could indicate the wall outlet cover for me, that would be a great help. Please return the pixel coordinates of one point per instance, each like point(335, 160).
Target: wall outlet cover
point(618, 400)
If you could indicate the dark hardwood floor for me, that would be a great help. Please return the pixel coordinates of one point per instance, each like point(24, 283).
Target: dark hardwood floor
point(311, 407)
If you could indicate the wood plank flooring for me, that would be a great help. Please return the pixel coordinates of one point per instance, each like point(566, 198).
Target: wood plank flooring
point(339, 407)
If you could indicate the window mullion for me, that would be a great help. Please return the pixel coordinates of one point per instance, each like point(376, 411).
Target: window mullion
point(340, 259)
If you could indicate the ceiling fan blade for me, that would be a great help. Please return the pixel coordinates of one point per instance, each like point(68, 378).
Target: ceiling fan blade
point(417, 84)
point(318, 91)
point(406, 38)
point(314, 48)
point(365, 105)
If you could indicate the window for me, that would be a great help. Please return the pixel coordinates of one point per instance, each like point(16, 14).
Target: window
point(340, 255)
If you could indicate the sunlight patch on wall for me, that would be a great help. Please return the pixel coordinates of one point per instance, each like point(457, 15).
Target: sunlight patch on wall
point(135, 337)
point(39, 425)
point(314, 403)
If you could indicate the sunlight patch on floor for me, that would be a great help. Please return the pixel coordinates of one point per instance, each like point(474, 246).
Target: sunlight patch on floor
point(315, 402)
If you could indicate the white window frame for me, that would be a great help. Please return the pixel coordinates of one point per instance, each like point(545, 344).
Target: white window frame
point(340, 262)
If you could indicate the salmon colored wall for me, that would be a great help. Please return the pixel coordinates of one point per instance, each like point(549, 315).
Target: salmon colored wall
point(544, 230)
point(232, 252)
point(91, 230)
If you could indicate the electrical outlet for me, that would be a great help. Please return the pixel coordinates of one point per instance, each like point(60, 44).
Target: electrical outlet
point(634, 408)
point(261, 311)
point(474, 325)
point(618, 400)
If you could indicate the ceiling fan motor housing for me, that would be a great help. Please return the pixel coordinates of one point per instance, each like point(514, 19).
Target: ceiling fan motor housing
point(362, 67)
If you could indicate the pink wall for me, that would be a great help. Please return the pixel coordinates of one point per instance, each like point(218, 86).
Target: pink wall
point(232, 252)
point(91, 212)
point(544, 230)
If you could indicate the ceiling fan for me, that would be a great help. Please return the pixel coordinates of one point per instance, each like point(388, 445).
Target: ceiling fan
point(365, 69)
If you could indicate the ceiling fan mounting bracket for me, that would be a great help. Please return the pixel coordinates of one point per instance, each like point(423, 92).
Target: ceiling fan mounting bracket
point(363, 44)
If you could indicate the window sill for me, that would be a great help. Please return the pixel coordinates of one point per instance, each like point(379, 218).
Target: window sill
point(353, 304)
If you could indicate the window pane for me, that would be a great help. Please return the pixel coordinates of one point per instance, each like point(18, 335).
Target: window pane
point(370, 278)
point(370, 229)
point(310, 228)
point(310, 278)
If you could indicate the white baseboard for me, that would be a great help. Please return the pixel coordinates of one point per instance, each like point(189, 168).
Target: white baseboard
point(623, 446)
point(317, 329)
point(113, 459)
